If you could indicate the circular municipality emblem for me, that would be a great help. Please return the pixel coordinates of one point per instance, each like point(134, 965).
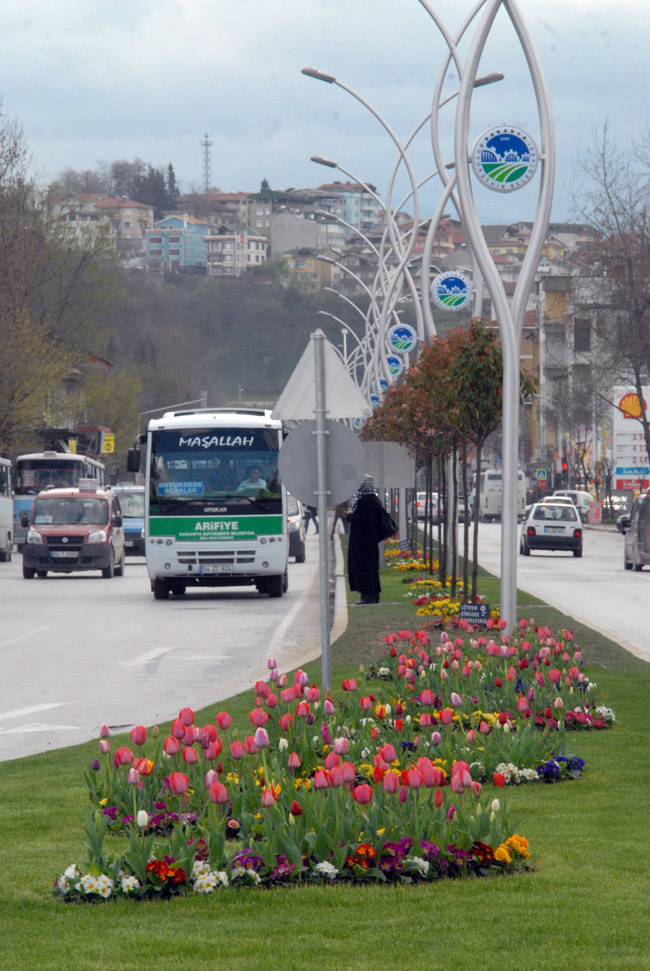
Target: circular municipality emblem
point(374, 400)
point(395, 365)
point(402, 338)
point(451, 291)
point(357, 424)
point(504, 158)
point(383, 384)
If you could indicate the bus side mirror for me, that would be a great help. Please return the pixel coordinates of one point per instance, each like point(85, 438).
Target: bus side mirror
point(24, 517)
point(133, 460)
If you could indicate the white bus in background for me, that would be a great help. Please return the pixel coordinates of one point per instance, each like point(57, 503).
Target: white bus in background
point(215, 511)
point(491, 495)
point(6, 511)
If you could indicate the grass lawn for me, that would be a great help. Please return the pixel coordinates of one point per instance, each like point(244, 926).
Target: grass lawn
point(586, 905)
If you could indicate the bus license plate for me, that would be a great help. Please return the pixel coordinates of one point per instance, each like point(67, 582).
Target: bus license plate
point(220, 568)
point(66, 554)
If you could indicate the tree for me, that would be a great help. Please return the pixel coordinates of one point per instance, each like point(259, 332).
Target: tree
point(615, 202)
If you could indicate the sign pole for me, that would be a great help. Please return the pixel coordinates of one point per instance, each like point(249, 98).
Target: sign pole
point(321, 495)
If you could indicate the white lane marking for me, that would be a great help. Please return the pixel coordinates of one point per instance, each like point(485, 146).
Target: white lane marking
point(39, 727)
point(148, 656)
point(31, 710)
point(23, 637)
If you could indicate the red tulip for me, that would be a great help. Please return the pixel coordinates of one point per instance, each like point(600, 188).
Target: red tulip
point(388, 753)
point(145, 767)
point(312, 694)
point(335, 777)
point(499, 779)
point(124, 756)
point(178, 728)
point(286, 721)
point(210, 732)
point(439, 798)
point(218, 792)
point(349, 685)
point(258, 717)
point(362, 794)
point(320, 779)
point(186, 715)
point(178, 783)
point(349, 772)
point(272, 700)
point(413, 779)
point(189, 755)
point(251, 747)
point(224, 721)
point(294, 761)
point(331, 760)
point(139, 735)
point(268, 797)
point(446, 716)
point(295, 809)
point(302, 709)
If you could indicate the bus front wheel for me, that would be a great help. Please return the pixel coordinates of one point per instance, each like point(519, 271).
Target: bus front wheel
point(160, 589)
point(275, 586)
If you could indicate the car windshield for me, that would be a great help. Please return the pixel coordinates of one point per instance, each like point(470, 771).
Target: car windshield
point(131, 504)
point(70, 510)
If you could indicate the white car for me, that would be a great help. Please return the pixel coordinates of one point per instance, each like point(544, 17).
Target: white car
point(296, 528)
point(421, 506)
point(552, 526)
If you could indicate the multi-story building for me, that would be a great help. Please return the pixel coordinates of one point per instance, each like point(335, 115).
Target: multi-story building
point(232, 250)
point(177, 244)
point(124, 222)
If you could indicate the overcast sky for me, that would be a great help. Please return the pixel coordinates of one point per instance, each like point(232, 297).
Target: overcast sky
point(92, 82)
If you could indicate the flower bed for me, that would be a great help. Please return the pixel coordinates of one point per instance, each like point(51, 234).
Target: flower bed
point(386, 785)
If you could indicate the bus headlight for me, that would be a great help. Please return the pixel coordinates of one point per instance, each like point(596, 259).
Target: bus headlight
point(97, 536)
point(33, 536)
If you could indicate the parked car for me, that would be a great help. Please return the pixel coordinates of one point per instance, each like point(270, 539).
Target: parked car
point(636, 552)
point(131, 500)
point(552, 526)
point(71, 530)
point(296, 528)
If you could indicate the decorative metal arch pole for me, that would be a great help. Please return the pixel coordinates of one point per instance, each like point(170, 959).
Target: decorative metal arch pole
point(509, 316)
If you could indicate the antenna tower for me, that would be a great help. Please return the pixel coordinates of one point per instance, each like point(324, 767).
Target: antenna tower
point(206, 144)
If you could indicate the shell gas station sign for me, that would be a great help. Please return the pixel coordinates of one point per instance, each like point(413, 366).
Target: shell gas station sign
point(630, 455)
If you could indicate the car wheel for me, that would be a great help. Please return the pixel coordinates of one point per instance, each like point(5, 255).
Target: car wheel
point(525, 548)
point(300, 558)
point(41, 573)
point(28, 573)
point(108, 572)
point(160, 589)
point(578, 552)
point(178, 589)
point(638, 566)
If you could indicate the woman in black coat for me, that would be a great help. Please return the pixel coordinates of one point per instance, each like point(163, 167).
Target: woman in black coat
point(363, 547)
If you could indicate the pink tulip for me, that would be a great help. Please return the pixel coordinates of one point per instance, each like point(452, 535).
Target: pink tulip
point(413, 779)
point(436, 738)
point(294, 761)
point(388, 753)
point(286, 721)
point(312, 694)
point(178, 783)
point(132, 777)
point(104, 746)
point(331, 760)
point(320, 779)
point(272, 700)
point(224, 721)
point(522, 704)
point(258, 717)
point(268, 797)
point(178, 728)
point(484, 728)
point(104, 731)
point(403, 793)
point(261, 738)
point(391, 782)
point(213, 750)
point(340, 745)
point(189, 755)
point(186, 715)
point(218, 792)
point(171, 746)
point(558, 703)
point(282, 681)
point(302, 709)
point(426, 698)
point(328, 707)
point(470, 736)
point(349, 772)
point(451, 812)
point(554, 675)
point(237, 750)
point(210, 778)
point(271, 663)
point(335, 777)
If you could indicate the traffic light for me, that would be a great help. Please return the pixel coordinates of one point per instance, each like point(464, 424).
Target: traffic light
point(565, 472)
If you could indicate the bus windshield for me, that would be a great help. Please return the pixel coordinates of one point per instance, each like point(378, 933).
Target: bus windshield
point(36, 474)
point(230, 465)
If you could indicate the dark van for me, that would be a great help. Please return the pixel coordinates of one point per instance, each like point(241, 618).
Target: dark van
point(636, 553)
point(71, 530)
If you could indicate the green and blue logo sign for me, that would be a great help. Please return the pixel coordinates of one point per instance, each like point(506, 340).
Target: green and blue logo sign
point(504, 158)
point(402, 338)
point(451, 291)
point(395, 365)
